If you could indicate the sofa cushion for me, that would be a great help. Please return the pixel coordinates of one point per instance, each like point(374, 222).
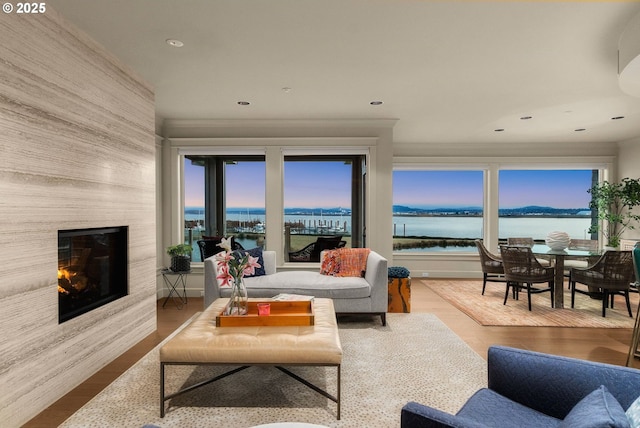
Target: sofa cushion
point(633, 413)
point(599, 409)
point(494, 410)
point(330, 263)
point(353, 261)
point(253, 252)
point(306, 283)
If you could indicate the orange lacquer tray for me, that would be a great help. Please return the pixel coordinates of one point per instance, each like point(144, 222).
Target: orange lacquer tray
point(282, 313)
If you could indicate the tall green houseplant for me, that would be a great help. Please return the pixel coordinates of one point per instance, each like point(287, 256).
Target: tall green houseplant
point(614, 204)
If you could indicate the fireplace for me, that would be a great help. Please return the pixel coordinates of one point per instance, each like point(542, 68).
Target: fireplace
point(92, 269)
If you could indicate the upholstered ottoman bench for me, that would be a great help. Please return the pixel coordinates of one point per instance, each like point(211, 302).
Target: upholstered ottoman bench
point(201, 342)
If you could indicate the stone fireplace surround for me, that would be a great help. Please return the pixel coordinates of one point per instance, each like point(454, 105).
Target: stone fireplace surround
point(78, 151)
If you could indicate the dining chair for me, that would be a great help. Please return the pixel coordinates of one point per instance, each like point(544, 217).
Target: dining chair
point(520, 241)
point(492, 268)
point(529, 242)
point(522, 270)
point(635, 284)
point(611, 275)
point(634, 352)
point(582, 262)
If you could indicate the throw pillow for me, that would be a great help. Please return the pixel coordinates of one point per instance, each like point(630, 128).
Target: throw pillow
point(353, 261)
point(253, 252)
point(330, 263)
point(598, 409)
point(633, 414)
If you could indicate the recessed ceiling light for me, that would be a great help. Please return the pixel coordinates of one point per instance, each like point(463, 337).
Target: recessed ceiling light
point(499, 129)
point(526, 117)
point(376, 103)
point(617, 118)
point(243, 103)
point(286, 89)
point(175, 43)
point(580, 129)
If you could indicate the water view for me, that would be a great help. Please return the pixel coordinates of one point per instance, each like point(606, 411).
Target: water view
point(434, 227)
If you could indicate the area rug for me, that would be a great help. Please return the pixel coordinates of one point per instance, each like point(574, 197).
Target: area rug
point(488, 309)
point(414, 358)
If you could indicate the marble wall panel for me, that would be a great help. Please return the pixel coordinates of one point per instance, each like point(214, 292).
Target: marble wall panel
point(77, 150)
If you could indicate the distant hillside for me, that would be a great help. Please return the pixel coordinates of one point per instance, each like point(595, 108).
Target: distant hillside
point(505, 212)
point(405, 210)
point(401, 209)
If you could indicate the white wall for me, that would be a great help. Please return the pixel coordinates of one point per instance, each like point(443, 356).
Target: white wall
point(629, 166)
point(76, 151)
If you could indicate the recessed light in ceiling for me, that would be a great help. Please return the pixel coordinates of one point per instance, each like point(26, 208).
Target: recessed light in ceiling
point(526, 117)
point(376, 103)
point(617, 118)
point(580, 129)
point(243, 103)
point(499, 130)
point(286, 89)
point(174, 43)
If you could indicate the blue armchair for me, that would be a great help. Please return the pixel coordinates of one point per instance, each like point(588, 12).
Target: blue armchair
point(540, 389)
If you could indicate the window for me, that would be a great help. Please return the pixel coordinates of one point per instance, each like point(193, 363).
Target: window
point(437, 210)
point(323, 197)
point(536, 202)
point(224, 195)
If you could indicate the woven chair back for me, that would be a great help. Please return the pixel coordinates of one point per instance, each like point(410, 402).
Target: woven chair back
point(613, 271)
point(520, 265)
point(490, 263)
point(583, 244)
point(520, 241)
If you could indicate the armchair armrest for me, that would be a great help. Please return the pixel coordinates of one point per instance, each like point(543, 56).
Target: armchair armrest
point(415, 415)
point(377, 275)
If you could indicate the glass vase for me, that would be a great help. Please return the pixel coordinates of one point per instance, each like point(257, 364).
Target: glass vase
point(238, 301)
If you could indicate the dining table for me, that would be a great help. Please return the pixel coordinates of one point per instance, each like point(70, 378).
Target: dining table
point(558, 257)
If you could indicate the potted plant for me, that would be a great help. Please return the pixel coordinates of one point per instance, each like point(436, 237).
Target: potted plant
point(614, 204)
point(180, 257)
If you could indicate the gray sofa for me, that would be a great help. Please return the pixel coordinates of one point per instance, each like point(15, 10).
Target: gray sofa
point(350, 295)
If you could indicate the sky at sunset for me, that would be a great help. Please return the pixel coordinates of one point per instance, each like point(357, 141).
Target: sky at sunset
point(327, 185)
point(518, 188)
point(306, 184)
point(557, 189)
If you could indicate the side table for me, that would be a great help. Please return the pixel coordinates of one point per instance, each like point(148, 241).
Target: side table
point(399, 279)
point(173, 280)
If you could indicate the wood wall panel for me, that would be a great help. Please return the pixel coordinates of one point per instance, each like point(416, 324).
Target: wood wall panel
point(77, 150)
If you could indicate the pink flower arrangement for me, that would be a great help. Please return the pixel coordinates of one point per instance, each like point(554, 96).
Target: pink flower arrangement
point(232, 268)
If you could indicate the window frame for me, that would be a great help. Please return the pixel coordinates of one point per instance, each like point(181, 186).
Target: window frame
point(274, 150)
point(358, 186)
point(449, 168)
point(492, 166)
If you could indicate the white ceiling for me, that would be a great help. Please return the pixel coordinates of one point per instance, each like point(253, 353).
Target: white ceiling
point(448, 71)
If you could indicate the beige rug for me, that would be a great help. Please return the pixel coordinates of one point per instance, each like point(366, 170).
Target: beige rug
point(414, 358)
point(489, 310)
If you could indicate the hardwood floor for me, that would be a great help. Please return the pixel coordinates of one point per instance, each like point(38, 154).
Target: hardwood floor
point(604, 345)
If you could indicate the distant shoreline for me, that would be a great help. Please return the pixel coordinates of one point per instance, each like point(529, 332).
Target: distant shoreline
point(413, 215)
point(501, 216)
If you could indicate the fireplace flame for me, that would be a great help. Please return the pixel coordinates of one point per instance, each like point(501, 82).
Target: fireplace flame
point(70, 281)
